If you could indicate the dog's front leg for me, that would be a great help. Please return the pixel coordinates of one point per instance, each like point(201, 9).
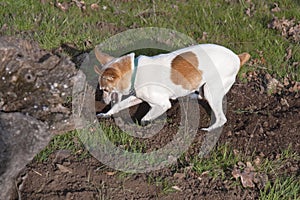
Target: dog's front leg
point(126, 103)
point(155, 111)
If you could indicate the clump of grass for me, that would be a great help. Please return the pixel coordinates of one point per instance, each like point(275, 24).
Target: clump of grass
point(165, 185)
point(218, 164)
point(78, 140)
point(275, 166)
point(102, 133)
point(67, 141)
point(281, 188)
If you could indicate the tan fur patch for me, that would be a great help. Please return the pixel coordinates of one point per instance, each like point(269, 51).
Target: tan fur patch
point(185, 71)
point(109, 79)
point(244, 57)
point(103, 58)
point(117, 75)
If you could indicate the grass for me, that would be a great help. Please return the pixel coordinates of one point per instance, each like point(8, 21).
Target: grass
point(225, 23)
point(67, 141)
point(112, 133)
point(281, 184)
point(75, 140)
point(165, 185)
point(219, 163)
point(275, 166)
point(282, 188)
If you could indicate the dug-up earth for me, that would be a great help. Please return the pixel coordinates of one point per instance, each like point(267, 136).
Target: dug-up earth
point(263, 121)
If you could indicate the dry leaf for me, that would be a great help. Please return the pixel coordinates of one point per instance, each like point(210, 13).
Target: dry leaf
point(284, 102)
point(286, 81)
point(177, 188)
point(110, 173)
point(249, 167)
point(257, 161)
point(296, 87)
point(204, 173)
point(80, 4)
point(236, 173)
point(247, 179)
point(204, 35)
point(64, 169)
point(62, 6)
point(179, 175)
point(276, 8)
point(38, 173)
point(247, 175)
point(94, 6)
point(248, 12)
point(288, 28)
point(288, 54)
point(273, 84)
point(251, 10)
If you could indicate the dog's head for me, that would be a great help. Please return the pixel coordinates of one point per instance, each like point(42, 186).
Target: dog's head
point(114, 75)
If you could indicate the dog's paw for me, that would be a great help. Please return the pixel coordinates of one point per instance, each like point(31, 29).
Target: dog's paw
point(211, 128)
point(103, 115)
point(208, 129)
point(205, 129)
point(145, 122)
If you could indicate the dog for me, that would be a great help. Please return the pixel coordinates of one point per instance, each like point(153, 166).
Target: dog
point(209, 68)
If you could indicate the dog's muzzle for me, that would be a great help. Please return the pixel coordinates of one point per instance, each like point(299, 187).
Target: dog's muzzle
point(110, 97)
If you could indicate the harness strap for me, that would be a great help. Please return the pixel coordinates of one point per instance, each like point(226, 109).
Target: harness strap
point(133, 76)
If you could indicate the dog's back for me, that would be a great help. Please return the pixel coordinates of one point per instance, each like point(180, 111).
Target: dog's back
point(197, 65)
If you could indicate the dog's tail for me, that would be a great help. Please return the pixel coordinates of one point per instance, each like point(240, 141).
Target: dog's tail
point(244, 57)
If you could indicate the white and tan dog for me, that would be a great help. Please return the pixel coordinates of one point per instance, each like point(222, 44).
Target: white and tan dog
point(160, 78)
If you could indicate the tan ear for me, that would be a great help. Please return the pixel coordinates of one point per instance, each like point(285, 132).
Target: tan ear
point(103, 58)
point(97, 70)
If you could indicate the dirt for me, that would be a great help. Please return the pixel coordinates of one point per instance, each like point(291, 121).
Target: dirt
point(263, 120)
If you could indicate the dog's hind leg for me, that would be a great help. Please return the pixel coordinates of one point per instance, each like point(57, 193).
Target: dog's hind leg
point(214, 97)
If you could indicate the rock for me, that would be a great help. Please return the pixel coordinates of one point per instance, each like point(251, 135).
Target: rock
point(18, 146)
point(35, 82)
point(35, 86)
